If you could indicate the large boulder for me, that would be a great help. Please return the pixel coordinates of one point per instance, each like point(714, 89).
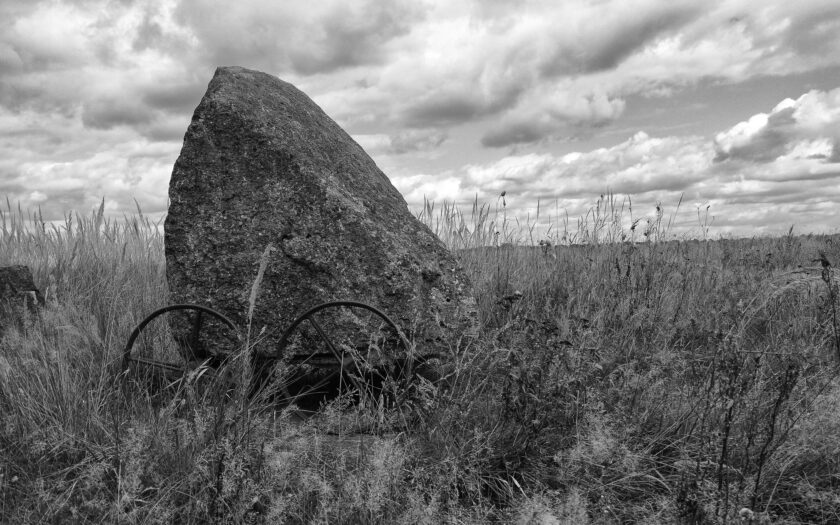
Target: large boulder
point(262, 166)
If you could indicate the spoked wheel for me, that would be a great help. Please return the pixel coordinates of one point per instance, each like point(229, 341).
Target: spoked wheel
point(350, 354)
point(176, 340)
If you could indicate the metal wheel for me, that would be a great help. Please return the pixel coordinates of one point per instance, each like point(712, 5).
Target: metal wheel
point(168, 344)
point(348, 350)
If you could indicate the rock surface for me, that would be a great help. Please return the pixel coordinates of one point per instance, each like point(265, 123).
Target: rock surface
point(18, 295)
point(262, 165)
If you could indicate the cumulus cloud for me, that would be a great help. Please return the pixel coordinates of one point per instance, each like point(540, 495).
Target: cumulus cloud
point(527, 66)
point(58, 175)
point(87, 86)
point(808, 127)
point(638, 165)
point(413, 64)
point(537, 70)
point(642, 166)
point(770, 171)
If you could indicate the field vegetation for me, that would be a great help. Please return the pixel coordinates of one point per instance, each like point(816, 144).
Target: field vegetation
point(621, 375)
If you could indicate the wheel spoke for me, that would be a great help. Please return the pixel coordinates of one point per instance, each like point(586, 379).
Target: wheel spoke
point(193, 346)
point(160, 359)
point(342, 362)
point(324, 337)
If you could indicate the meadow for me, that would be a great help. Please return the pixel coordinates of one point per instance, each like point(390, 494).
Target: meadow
point(622, 375)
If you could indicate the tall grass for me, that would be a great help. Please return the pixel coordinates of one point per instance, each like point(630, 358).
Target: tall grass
point(621, 375)
point(664, 376)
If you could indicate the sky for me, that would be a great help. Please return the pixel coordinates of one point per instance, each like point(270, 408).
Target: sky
point(725, 113)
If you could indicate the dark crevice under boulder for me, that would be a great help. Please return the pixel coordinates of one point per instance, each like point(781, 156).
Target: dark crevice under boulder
point(263, 165)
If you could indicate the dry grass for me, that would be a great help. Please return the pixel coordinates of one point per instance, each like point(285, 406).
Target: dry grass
point(659, 380)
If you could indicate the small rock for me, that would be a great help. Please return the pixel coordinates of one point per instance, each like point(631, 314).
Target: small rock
point(19, 297)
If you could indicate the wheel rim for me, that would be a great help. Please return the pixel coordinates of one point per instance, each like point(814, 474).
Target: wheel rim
point(162, 355)
point(359, 346)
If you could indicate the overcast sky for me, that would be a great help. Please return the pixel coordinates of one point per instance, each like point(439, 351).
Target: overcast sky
point(731, 104)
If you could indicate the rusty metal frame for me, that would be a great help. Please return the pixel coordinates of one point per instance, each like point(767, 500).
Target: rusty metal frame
point(341, 359)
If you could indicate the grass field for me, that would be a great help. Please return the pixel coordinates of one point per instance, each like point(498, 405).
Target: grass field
point(622, 376)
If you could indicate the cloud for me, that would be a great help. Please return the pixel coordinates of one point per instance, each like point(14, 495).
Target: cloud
point(308, 39)
point(640, 166)
point(87, 86)
point(120, 173)
point(41, 47)
point(447, 108)
point(603, 37)
point(352, 35)
point(813, 29)
point(763, 174)
point(54, 162)
point(72, 57)
point(180, 93)
point(10, 60)
point(527, 70)
point(543, 115)
point(107, 113)
point(534, 71)
point(739, 39)
point(415, 140)
point(753, 139)
point(149, 33)
point(49, 36)
point(518, 131)
point(516, 70)
point(808, 127)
